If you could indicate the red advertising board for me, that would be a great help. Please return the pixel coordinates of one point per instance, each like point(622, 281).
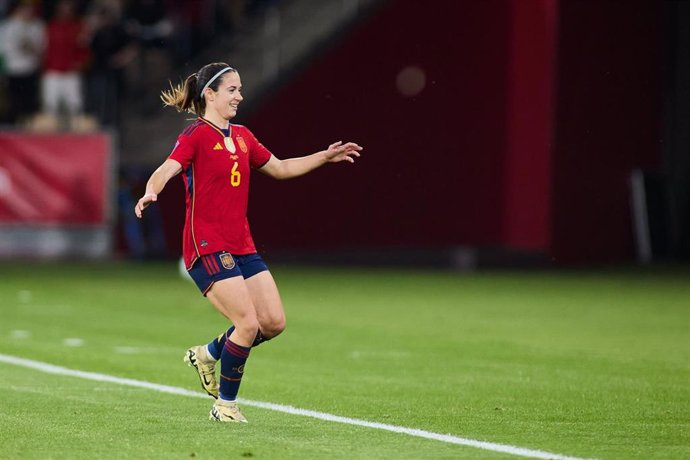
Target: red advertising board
point(54, 193)
point(53, 179)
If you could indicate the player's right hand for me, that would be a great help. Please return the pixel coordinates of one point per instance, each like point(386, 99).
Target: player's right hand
point(143, 203)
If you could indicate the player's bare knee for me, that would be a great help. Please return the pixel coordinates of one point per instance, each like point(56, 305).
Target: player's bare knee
point(273, 327)
point(247, 328)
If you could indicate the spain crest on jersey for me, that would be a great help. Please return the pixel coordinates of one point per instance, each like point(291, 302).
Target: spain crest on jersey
point(227, 261)
point(242, 144)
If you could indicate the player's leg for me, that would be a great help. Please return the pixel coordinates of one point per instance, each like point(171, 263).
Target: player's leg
point(269, 307)
point(266, 298)
point(206, 271)
point(232, 299)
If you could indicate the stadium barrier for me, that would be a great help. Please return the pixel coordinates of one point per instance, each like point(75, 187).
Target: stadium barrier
point(56, 194)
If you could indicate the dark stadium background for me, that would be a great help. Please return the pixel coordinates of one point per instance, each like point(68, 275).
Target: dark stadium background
point(517, 150)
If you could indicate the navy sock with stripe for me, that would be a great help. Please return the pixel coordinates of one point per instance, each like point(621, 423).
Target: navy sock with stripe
point(232, 360)
point(215, 347)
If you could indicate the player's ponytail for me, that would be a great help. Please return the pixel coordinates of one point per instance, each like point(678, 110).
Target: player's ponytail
point(188, 95)
point(183, 96)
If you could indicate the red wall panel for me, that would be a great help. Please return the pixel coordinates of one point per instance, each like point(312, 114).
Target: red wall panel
point(531, 80)
point(432, 171)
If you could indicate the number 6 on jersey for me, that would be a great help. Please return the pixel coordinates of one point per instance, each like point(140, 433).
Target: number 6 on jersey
point(235, 176)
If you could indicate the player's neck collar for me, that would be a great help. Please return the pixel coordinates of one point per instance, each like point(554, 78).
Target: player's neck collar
point(215, 127)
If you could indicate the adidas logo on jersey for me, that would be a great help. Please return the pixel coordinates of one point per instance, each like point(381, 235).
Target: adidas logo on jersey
point(218, 146)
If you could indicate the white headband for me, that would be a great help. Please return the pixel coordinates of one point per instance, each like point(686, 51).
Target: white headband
point(220, 72)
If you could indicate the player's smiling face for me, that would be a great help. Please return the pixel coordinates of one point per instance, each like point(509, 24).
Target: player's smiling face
point(228, 97)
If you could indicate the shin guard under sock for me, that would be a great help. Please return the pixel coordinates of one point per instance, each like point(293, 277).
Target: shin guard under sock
point(232, 360)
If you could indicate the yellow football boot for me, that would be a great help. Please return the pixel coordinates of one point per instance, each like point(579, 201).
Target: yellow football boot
point(197, 357)
point(226, 411)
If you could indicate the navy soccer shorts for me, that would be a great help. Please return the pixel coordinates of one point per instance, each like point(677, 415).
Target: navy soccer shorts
point(222, 265)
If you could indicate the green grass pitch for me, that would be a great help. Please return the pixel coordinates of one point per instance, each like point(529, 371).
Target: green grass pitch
point(590, 364)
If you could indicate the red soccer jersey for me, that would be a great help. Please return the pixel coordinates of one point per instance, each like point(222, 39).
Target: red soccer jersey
point(217, 188)
point(64, 52)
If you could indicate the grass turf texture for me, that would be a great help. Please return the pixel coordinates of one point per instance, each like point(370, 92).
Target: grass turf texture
point(589, 364)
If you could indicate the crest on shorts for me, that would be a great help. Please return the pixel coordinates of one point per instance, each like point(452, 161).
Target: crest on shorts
point(242, 144)
point(227, 261)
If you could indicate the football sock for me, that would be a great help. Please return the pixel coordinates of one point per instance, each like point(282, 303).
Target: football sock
point(215, 347)
point(232, 362)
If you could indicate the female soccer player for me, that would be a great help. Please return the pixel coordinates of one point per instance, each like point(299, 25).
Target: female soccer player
point(219, 253)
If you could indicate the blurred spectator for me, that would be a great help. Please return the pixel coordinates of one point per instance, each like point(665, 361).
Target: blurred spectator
point(233, 14)
point(22, 38)
point(193, 27)
point(112, 49)
point(149, 21)
point(65, 58)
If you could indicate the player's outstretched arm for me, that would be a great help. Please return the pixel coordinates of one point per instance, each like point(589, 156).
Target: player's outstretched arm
point(294, 167)
point(156, 183)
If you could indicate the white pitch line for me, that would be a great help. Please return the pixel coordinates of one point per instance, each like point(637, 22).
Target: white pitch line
point(503, 448)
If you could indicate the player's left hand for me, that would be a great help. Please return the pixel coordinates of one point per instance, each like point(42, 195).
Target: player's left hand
point(342, 152)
